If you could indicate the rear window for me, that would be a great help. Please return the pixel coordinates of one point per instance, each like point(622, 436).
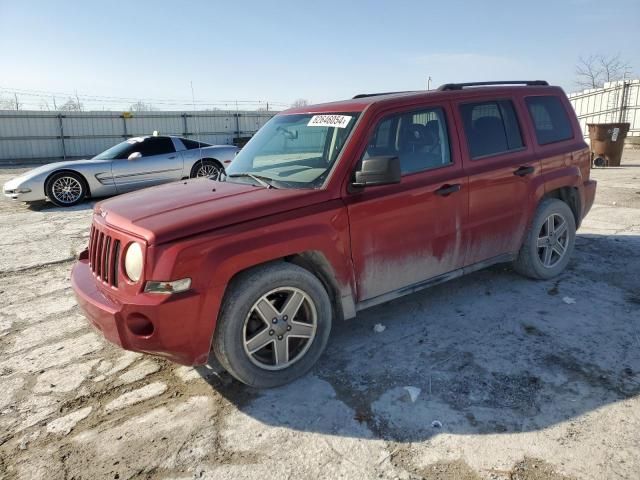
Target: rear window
point(550, 119)
point(491, 128)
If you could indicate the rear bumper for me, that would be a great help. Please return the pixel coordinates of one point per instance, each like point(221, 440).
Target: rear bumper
point(175, 326)
point(588, 196)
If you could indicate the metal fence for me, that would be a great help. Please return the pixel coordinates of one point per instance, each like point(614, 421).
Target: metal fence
point(52, 135)
point(615, 102)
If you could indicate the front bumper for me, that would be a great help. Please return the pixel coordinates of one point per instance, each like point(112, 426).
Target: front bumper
point(21, 192)
point(176, 327)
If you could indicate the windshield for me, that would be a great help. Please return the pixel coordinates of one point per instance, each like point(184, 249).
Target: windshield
point(294, 151)
point(119, 151)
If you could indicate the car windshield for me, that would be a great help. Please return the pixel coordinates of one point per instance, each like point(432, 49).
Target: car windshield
point(119, 151)
point(293, 151)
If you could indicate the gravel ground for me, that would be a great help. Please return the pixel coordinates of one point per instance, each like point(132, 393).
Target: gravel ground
point(516, 381)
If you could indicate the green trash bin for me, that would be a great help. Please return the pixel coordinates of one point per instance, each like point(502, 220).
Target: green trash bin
point(607, 143)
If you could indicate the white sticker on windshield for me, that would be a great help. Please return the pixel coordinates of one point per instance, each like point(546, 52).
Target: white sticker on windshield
point(339, 121)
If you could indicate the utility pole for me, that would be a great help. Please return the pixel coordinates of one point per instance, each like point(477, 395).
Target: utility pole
point(55, 107)
point(15, 95)
point(78, 102)
point(429, 83)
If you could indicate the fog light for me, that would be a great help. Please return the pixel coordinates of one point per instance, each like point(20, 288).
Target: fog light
point(139, 325)
point(167, 288)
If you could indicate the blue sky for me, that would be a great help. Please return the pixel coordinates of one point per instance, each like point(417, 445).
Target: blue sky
point(283, 50)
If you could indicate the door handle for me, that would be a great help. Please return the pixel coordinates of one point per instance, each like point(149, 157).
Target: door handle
point(523, 171)
point(447, 189)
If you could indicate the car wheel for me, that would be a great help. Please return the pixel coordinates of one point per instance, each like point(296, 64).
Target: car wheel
point(274, 325)
point(207, 168)
point(66, 189)
point(549, 243)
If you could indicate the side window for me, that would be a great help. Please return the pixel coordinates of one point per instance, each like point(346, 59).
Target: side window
point(491, 127)
point(156, 146)
point(192, 144)
point(420, 139)
point(549, 119)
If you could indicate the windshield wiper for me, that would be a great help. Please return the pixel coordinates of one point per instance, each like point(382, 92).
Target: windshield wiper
point(261, 179)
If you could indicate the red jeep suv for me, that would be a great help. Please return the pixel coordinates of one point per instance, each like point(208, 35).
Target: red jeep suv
point(333, 208)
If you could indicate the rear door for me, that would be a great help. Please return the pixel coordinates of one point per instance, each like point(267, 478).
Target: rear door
point(502, 170)
point(407, 233)
point(160, 163)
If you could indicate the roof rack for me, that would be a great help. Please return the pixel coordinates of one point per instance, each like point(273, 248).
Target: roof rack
point(460, 86)
point(365, 95)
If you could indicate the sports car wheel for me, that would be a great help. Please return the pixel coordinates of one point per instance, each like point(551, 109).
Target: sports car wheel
point(66, 189)
point(207, 168)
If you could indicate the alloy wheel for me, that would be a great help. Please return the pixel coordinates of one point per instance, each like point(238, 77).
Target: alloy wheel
point(280, 328)
point(553, 240)
point(208, 170)
point(67, 190)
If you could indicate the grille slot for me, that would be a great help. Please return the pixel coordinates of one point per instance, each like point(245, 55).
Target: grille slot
point(104, 256)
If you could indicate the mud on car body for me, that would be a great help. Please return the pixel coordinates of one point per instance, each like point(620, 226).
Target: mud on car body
point(331, 209)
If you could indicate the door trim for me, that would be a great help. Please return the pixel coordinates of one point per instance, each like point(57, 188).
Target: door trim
point(430, 282)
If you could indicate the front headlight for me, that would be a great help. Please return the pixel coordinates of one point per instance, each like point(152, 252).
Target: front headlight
point(133, 262)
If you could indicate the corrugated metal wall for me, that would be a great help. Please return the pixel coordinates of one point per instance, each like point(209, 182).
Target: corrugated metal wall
point(52, 135)
point(615, 102)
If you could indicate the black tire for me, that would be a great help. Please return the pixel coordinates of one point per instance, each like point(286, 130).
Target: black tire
point(209, 165)
point(244, 293)
point(78, 189)
point(531, 258)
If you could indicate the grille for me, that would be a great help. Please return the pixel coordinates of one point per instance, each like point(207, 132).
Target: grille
point(104, 256)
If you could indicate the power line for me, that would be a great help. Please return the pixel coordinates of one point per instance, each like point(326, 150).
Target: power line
point(107, 99)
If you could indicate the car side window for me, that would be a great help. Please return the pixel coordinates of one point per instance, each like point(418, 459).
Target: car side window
point(491, 127)
point(192, 144)
point(550, 119)
point(155, 146)
point(419, 138)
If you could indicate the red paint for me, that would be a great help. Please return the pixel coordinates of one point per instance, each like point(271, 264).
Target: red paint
point(373, 240)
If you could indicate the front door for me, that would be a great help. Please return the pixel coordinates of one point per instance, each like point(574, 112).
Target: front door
point(160, 163)
point(406, 233)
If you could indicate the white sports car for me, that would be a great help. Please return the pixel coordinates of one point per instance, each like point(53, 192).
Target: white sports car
point(133, 164)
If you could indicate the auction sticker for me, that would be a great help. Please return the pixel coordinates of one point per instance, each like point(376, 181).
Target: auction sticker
point(339, 121)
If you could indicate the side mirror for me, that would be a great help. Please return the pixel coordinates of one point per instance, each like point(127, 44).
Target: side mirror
point(134, 156)
point(383, 170)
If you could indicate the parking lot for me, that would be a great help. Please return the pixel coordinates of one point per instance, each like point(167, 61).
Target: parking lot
point(517, 379)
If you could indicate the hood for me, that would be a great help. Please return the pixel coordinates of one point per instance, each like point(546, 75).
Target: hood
point(50, 167)
point(180, 209)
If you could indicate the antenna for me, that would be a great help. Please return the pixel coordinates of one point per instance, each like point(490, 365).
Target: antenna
point(197, 127)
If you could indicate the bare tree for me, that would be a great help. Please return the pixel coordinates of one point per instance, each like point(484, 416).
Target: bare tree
point(595, 70)
point(141, 106)
point(71, 105)
point(301, 102)
point(613, 68)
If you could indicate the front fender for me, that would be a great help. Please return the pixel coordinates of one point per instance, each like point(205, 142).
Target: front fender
point(213, 259)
